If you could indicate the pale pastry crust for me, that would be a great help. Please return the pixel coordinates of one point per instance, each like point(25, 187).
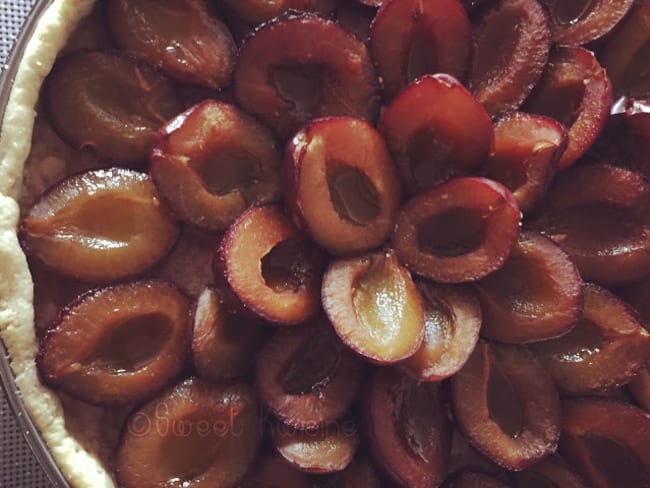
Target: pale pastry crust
point(82, 468)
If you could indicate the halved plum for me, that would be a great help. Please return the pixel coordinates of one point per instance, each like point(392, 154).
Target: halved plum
point(196, 434)
point(607, 441)
point(306, 376)
point(452, 319)
point(342, 185)
point(100, 226)
point(512, 41)
point(355, 17)
point(411, 38)
point(374, 306)
point(286, 83)
point(597, 214)
point(552, 472)
point(181, 37)
point(271, 471)
point(407, 428)
point(605, 349)
point(640, 388)
point(436, 130)
point(575, 91)
point(459, 231)
point(118, 345)
point(577, 22)
point(257, 11)
point(536, 295)
point(473, 479)
point(214, 161)
point(109, 102)
point(506, 405)
point(328, 449)
point(625, 54)
point(266, 266)
point(527, 149)
point(223, 346)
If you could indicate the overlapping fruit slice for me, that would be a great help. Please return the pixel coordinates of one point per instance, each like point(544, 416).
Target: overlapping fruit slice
point(527, 149)
point(374, 306)
point(214, 161)
point(575, 91)
point(180, 36)
point(625, 55)
point(223, 345)
point(328, 449)
point(581, 21)
point(342, 185)
point(606, 348)
point(407, 428)
point(306, 376)
point(108, 101)
point(435, 131)
point(452, 319)
point(266, 266)
point(459, 231)
point(100, 226)
point(119, 344)
point(607, 441)
point(271, 471)
point(598, 215)
point(507, 405)
point(511, 43)
point(196, 434)
point(286, 83)
point(411, 38)
point(536, 295)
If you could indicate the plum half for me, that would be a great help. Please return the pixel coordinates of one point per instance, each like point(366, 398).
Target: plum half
point(197, 434)
point(459, 231)
point(436, 130)
point(605, 349)
point(181, 37)
point(118, 345)
point(214, 161)
point(578, 22)
point(286, 83)
point(597, 214)
point(223, 345)
point(100, 226)
point(411, 38)
point(607, 441)
point(452, 320)
point(342, 185)
point(267, 267)
point(527, 149)
point(625, 54)
point(575, 91)
point(109, 102)
point(407, 429)
point(511, 42)
point(536, 295)
point(306, 376)
point(374, 306)
point(506, 405)
point(327, 449)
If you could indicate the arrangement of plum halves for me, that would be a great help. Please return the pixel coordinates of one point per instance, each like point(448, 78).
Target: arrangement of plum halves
point(351, 243)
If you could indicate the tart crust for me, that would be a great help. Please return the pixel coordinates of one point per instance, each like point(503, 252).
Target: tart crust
point(82, 467)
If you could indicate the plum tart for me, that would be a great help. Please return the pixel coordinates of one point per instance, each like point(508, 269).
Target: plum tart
point(331, 243)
